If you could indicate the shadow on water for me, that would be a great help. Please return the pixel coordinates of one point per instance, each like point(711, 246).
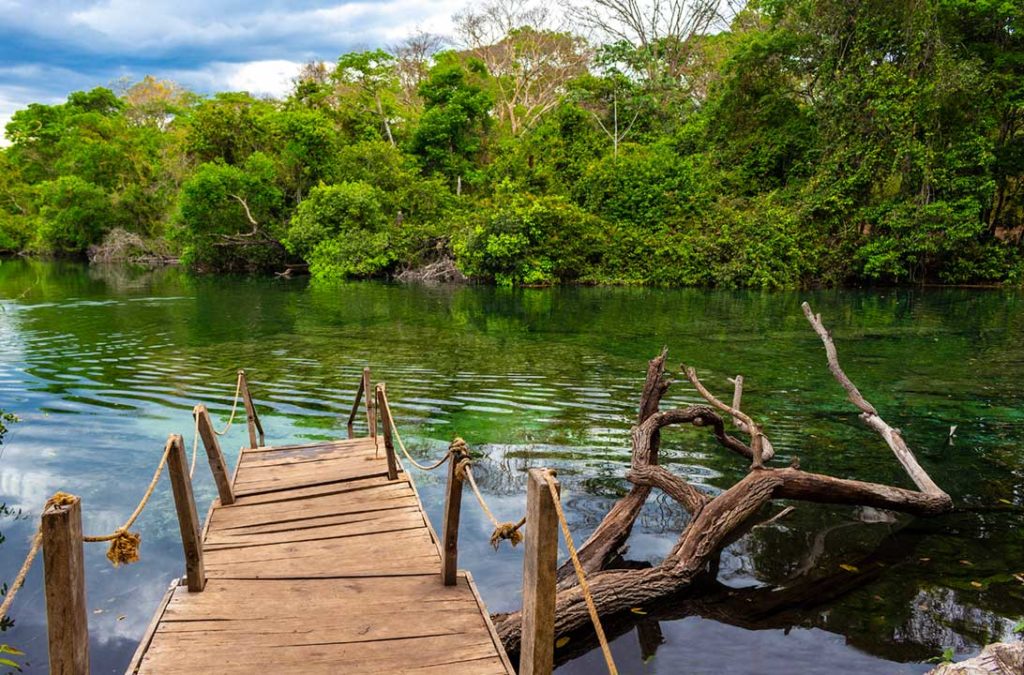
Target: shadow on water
point(102, 363)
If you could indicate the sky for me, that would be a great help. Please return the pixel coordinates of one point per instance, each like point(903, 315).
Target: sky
point(49, 48)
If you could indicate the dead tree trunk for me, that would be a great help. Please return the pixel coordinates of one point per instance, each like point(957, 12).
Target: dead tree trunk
point(715, 521)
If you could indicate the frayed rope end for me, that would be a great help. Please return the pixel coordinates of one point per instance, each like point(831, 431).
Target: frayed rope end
point(124, 548)
point(509, 531)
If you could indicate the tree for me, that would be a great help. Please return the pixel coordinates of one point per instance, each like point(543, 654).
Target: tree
point(529, 60)
point(228, 216)
point(714, 520)
point(73, 215)
point(229, 126)
point(369, 80)
point(660, 32)
point(155, 102)
point(456, 119)
point(412, 64)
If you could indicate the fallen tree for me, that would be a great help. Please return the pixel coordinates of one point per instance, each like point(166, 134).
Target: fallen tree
point(714, 521)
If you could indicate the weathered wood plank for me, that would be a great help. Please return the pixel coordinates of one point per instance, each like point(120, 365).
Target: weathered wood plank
point(540, 562)
point(64, 582)
point(323, 565)
point(213, 453)
point(188, 519)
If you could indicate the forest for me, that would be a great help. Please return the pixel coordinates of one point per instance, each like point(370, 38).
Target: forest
point(778, 144)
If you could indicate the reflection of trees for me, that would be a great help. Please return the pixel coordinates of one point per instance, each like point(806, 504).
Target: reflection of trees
point(890, 598)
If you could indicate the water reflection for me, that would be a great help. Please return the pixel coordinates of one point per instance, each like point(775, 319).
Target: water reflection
point(102, 363)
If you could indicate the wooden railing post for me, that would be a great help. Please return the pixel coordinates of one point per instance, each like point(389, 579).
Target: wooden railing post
point(371, 418)
point(188, 519)
point(355, 406)
point(537, 653)
point(389, 444)
point(452, 509)
point(64, 578)
point(252, 419)
point(214, 454)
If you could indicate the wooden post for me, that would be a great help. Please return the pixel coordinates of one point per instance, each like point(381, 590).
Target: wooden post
point(537, 653)
point(64, 578)
point(214, 454)
point(450, 535)
point(188, 519)
point(355, 407)
point(252, 418)
point(389, 444)
point(371, 417)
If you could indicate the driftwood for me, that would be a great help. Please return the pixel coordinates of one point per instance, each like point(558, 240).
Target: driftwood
point(714, 521)
point(1001, 658)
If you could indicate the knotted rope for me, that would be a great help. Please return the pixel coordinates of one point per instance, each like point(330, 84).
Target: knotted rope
point(124, 545)
point(459, 451)
point(584, 586)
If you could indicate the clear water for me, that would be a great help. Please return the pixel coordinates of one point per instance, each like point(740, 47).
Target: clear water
point(102, 363)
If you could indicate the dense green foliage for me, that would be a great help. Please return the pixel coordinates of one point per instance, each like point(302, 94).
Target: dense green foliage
point(809, 142)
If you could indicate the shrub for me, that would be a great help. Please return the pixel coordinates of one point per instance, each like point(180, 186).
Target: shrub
point(529, 240)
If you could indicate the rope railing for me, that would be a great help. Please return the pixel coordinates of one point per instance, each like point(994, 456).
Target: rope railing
point(502, 530)
point(581, 575)
point(458, 452)
point(124, 544)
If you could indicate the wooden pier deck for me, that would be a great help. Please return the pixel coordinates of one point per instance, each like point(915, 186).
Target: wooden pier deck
point(321, 565)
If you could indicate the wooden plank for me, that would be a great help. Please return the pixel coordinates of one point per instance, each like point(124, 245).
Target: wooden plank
point(64, 581)
point(307, 452)
point(360, 524)
point(322, 565)
point(504, 662)
point(344, 485)
point(188, 520)
point(195, 655)
point(213, 453)
point(540, 561)
point(147, 637)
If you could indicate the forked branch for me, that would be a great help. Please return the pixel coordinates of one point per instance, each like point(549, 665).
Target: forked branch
point(870, 415)
point(756, 435)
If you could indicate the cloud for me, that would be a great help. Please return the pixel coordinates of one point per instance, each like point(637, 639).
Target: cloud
point(50, 49)
point(259, 78)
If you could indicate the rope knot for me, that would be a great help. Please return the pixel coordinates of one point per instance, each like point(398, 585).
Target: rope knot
point(124, 548)
point(61, 499)
point(508, 531)
point(458, 447)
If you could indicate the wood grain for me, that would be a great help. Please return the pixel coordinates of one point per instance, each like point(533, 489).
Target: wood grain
point(323, 565)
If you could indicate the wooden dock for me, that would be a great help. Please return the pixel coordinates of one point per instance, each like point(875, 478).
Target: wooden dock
point(323, 564)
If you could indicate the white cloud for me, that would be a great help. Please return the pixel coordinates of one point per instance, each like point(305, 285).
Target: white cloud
point(259, 78)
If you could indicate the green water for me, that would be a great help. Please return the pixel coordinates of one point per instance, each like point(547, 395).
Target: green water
point(102, 363)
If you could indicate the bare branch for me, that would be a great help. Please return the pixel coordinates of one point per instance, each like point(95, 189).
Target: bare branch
point(248, 213)
point(870, 415)
point(756, 436)
point(767, 450)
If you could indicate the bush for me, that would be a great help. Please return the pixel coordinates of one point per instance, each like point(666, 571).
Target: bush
point(529, 240)
point(73, 215)
point(643, 185)
point(342, 231)
point(212, 216)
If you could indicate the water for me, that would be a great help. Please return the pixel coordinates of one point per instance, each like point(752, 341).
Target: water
point(102, 363)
